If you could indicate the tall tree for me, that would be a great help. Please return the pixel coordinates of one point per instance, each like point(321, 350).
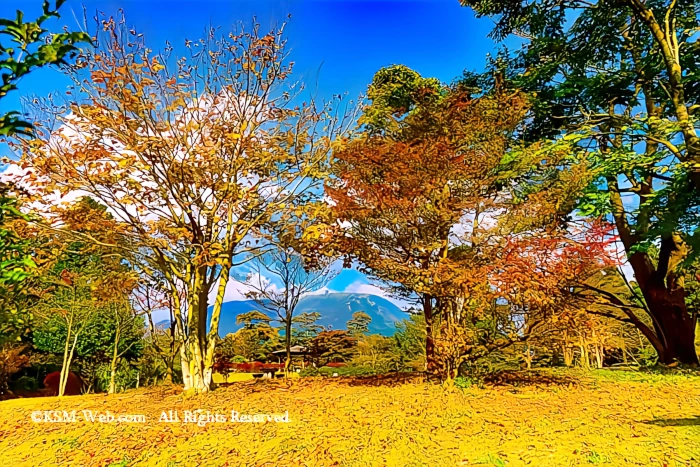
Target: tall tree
point(256, 334)
point(24, 46)
point(75, 285)
point(305, 327)
point(424, 163)
point(16, 264)
point(614, 84)
point(115, 293)
point(285, 265)
point(67, 306)
point(193, 156)
point(150, 296)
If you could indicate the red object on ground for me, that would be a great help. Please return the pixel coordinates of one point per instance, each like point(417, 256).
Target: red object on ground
point(73, 385)
point(272, 366)
point(335, 364)
point(248, 367)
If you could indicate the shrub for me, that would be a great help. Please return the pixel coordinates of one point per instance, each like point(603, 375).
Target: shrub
point(12, 360)
point(125, 377)
point(26, 383)
point(466, 382)
point(350, 370)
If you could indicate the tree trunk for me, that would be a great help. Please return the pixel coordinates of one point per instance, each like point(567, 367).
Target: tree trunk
point(599, 355)
point(65, 368)
point(430, 363)
point(555, 357)
point(568, 350)
point(185, 365)
point(288, 344)
point(197, 352)
point(115, 359)
point(196, 374)
point(169, 372)
point(528, 357)
point(585, 357)
point(673, 324)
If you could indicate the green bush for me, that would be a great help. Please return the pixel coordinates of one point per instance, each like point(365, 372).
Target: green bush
point(466, 382)
point(26, 383)
point(124, 379)
point(648, 357)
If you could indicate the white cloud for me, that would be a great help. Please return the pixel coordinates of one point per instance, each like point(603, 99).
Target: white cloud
point(322, 291)
point(371, 289)
point(235, 291)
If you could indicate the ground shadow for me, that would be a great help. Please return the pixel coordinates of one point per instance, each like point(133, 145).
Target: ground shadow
point(691, 421)
point(389, 379)
point(503, 378)
point(528, 378)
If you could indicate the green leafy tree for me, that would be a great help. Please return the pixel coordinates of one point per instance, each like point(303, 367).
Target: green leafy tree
point(24, 46)
point(28, 46)
point(377, 352)
point(253, 319)
point(226, 348)
point(396, 91)
point(409, 341)
point(305, 327)
point(359, 324)
point(164, 342)
point(257, 338)
point(83, 292)
point(614, 89)
point(16, 264)
point(65, 311)
point(92, 339)
point(113, 293)
point(330, 346)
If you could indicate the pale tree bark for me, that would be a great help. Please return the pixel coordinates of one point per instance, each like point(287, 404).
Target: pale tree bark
point(115, 359)
point(65, 367)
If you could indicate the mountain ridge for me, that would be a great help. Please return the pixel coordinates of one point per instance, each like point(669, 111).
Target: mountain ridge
point(335, 308)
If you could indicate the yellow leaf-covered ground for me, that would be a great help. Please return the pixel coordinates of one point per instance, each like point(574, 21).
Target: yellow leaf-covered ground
point(568, 419)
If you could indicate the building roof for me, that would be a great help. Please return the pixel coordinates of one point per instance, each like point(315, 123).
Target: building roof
point(298, 349)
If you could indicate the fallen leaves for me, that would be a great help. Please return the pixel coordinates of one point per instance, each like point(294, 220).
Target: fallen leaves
point(341, 421)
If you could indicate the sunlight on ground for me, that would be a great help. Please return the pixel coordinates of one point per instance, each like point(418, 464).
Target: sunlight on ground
point(238, 377)
point(609, 418)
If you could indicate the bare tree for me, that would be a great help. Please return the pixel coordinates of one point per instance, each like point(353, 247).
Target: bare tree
point(297, 280)
point(191, 154)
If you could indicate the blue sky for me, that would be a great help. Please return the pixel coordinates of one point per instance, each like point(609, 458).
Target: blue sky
point(337, 45)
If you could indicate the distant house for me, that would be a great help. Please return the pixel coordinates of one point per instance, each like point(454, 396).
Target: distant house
point(295, 350)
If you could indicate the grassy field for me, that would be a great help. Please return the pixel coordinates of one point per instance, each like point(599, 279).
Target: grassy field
point(554, 419)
